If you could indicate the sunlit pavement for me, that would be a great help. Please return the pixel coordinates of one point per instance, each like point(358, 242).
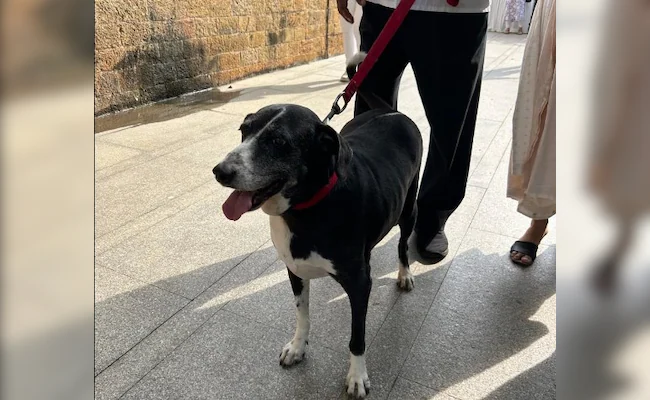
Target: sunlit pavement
point(192, 306)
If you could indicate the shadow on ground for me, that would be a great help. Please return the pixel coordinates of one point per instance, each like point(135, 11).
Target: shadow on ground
point(264, 298)
point(504, 73)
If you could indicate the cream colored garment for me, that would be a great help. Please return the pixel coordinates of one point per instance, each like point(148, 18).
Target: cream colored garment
point(620, 169)
point(531, 177)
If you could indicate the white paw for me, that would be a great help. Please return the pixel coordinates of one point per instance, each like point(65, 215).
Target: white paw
point(357, 382)
point(293, 352)
point(405, 279)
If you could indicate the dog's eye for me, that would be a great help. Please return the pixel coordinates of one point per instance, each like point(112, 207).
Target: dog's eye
point(278, 141)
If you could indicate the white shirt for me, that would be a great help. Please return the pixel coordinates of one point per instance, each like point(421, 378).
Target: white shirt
point(464, 6)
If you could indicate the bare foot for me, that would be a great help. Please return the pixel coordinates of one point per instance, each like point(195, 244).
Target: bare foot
point(535, 233)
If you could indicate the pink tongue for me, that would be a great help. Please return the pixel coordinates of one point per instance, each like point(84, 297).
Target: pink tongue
point(237, 204)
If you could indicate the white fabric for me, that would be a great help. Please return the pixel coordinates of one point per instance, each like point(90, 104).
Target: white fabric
point(465, 6)
point(497, 17)
point(531, 176)
point(351, 35)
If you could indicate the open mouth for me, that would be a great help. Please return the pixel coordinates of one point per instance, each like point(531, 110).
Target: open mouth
point(240, 202)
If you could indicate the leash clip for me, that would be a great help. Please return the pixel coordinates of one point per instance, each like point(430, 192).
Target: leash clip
point(336, 109)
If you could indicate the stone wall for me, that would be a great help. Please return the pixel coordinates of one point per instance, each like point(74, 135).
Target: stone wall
point(148, 50)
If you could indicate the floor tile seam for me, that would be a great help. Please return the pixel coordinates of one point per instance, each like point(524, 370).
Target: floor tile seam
point(501, 159)
point(146, 283)
point(502, 58)
point(513, 49)
point(152, 153)
point(144, 153)
point(437, 390)
point(496, 133)
point(149, 157)
point(124, 164)
point(499, 59)
point(116, 130)
point(108, 142)
point(164, 357)
point(179, 210)
point(401, 368)
point(139, 341)
point(280, 331)
point(225, 113)
point(184, 306)
point(541, 245)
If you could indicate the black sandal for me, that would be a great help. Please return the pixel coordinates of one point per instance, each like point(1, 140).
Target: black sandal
point(526, 248)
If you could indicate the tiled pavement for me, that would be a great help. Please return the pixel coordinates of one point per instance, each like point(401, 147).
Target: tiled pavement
point(192, 306)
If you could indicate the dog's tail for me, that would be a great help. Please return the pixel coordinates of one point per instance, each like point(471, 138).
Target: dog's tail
point(373, 100)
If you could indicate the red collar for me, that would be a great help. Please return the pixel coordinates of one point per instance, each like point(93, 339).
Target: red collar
point(320, 195)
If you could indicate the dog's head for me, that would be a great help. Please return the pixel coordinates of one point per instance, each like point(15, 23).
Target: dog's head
point(286, 154)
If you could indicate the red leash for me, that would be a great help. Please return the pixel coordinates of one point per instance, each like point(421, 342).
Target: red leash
point(386, 34)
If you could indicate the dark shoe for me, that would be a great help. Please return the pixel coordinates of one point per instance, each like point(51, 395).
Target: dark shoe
point(525, 248)
point(435, 250)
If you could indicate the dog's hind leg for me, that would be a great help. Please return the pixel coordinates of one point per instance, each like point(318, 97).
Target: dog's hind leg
point(294, 351)
point(406, 224)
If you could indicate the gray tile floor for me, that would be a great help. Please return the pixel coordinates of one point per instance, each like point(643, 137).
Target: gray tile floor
point(192, 306)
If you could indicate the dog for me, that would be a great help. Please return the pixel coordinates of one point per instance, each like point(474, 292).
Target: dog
point(330, 199)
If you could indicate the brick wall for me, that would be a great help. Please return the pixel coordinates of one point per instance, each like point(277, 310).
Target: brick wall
point(148, 50)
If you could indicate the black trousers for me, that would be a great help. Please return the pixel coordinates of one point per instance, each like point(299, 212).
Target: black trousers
point(446, 52)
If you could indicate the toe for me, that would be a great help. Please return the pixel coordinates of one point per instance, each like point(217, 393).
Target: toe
point(516, 256)
point(406, 283)
point(351, 388)
point(526, 260)
point(291, 355)
point(358, 388)
point(366, 384)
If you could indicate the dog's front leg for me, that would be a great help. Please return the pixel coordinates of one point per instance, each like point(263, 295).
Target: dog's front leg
point(358, 290)
point(294, 351)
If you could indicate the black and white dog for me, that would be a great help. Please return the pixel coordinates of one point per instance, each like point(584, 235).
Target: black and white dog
point(331, 198)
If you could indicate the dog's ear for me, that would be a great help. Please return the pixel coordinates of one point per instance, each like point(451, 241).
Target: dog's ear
point(328, 141)
point(247, 122)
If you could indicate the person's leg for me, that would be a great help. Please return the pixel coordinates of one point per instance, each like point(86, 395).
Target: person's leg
point(350, 44)
point(357, 12)
point(521, 12)
point(448, 74)
point(510, 15)
point(351, 35)
point(348, 39)
point(384, 77)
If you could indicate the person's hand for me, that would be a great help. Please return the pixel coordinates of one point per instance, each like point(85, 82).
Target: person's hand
point(342, 6)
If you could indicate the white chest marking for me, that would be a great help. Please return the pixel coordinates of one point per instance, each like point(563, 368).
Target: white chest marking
point(312, 267)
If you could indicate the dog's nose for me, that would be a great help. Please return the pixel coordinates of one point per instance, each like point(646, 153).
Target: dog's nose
point(224, 173)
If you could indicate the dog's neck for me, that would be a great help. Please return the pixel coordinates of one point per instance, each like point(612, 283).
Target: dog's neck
point(319, 195)
point(318, 184)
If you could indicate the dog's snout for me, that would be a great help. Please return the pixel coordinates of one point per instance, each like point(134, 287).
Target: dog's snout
point(224, 173)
